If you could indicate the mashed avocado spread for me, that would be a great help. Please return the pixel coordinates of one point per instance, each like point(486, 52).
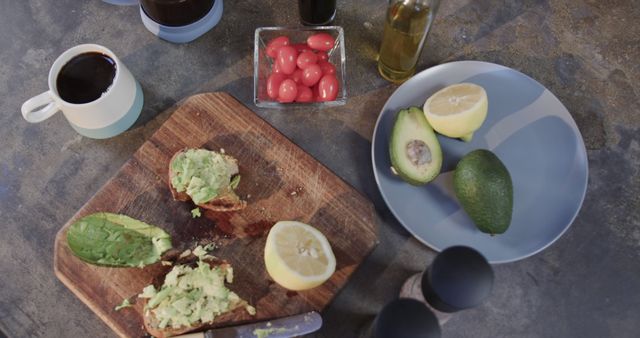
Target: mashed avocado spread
point(192, 295)
point(201, 174)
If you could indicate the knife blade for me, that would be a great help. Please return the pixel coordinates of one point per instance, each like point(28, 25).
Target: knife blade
point(285, 327)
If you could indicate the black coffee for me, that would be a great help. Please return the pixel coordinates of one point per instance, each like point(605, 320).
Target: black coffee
point(317, 12)
point(86, 77)
point(176, 12)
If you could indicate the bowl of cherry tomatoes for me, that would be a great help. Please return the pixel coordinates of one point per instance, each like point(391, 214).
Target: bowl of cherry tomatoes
point(299, 67)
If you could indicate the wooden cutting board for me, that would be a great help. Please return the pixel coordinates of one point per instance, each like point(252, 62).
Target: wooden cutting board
point(279, 180)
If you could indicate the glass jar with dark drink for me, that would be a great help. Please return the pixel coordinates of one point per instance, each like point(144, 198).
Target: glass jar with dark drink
point(317, 12)
point(176, 12)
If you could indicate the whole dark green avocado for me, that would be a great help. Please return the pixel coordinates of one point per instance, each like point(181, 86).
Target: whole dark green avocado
point(483, 186)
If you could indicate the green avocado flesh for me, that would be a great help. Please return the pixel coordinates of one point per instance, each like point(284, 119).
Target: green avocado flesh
point(191, 296)
point(202, 174)
point(117, 240)
point(483, 186)
point(414, 149)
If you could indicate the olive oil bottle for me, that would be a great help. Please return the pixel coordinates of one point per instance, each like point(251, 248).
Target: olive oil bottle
point(405, 31)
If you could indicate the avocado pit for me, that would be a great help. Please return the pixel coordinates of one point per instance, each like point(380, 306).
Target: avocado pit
point(418, 152)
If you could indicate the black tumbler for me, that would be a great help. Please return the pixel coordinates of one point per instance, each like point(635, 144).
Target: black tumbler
point(317, 12)
point(176, 13)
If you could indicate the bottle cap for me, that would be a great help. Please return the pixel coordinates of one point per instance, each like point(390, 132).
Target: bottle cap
point(407, 318)
point(459, 278)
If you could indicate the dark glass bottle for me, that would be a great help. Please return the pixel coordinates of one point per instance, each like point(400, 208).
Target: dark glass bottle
point(176, 12)
point(317, 12)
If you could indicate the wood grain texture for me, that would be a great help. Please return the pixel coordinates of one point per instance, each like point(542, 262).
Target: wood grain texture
point(279, 180)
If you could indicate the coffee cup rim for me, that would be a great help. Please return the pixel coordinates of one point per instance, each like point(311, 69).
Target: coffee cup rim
point(69, 54)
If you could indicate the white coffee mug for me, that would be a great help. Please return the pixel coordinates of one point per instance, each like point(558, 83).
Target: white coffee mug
point(109, 115)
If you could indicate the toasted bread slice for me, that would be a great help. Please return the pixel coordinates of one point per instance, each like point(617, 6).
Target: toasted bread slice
point(227, 199)
point(151, 323)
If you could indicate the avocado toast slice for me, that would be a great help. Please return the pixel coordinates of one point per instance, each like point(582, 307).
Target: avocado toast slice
point(192, 296)
point(207, 178)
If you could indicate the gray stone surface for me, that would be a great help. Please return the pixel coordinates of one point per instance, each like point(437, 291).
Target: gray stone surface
point(585, 285)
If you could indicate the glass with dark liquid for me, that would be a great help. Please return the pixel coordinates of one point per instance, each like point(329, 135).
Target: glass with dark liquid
point(176, 12)
point(317, 12)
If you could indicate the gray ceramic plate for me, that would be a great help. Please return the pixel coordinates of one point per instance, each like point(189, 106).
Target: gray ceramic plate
point(530, 131)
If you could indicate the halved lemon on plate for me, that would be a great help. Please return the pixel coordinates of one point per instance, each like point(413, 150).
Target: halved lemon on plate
point(457, 110)
point(298, 256)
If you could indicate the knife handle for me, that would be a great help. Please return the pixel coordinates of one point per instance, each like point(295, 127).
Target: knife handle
point(191, 335)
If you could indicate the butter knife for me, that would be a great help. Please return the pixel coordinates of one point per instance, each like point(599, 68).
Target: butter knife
point(285, 327)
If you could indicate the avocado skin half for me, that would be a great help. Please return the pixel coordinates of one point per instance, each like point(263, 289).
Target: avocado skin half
point(411, 124)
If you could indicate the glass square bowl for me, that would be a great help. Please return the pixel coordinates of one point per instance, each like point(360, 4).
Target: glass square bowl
point(262, 64)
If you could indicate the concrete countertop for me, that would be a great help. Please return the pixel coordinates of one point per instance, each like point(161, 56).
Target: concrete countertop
point(587, 284)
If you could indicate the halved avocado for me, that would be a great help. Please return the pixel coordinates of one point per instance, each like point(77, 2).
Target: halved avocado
point(415, 151)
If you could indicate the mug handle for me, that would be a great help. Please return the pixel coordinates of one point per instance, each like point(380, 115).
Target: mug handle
point(34, 116)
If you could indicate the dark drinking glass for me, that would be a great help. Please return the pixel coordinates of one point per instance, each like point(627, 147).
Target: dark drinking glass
point(317, 12)
point(176, 13)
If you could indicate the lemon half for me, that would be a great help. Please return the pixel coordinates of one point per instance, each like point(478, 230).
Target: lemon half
point(457, 110)
point(298, 256)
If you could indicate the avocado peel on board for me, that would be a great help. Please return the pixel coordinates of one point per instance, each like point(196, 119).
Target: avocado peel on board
point(114, 240)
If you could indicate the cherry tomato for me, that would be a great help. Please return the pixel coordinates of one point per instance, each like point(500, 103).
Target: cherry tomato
point(328, 88)
point(275, 44)
point(305, 59)
point(287, 56)
point(296, 76)
point(327, 67)
point(321, 41)
point(302, 47)
point(304, 94)
point(276, 67)
point(288, 91)
point(273, 84)
point(323, 56)
point(311, 75)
